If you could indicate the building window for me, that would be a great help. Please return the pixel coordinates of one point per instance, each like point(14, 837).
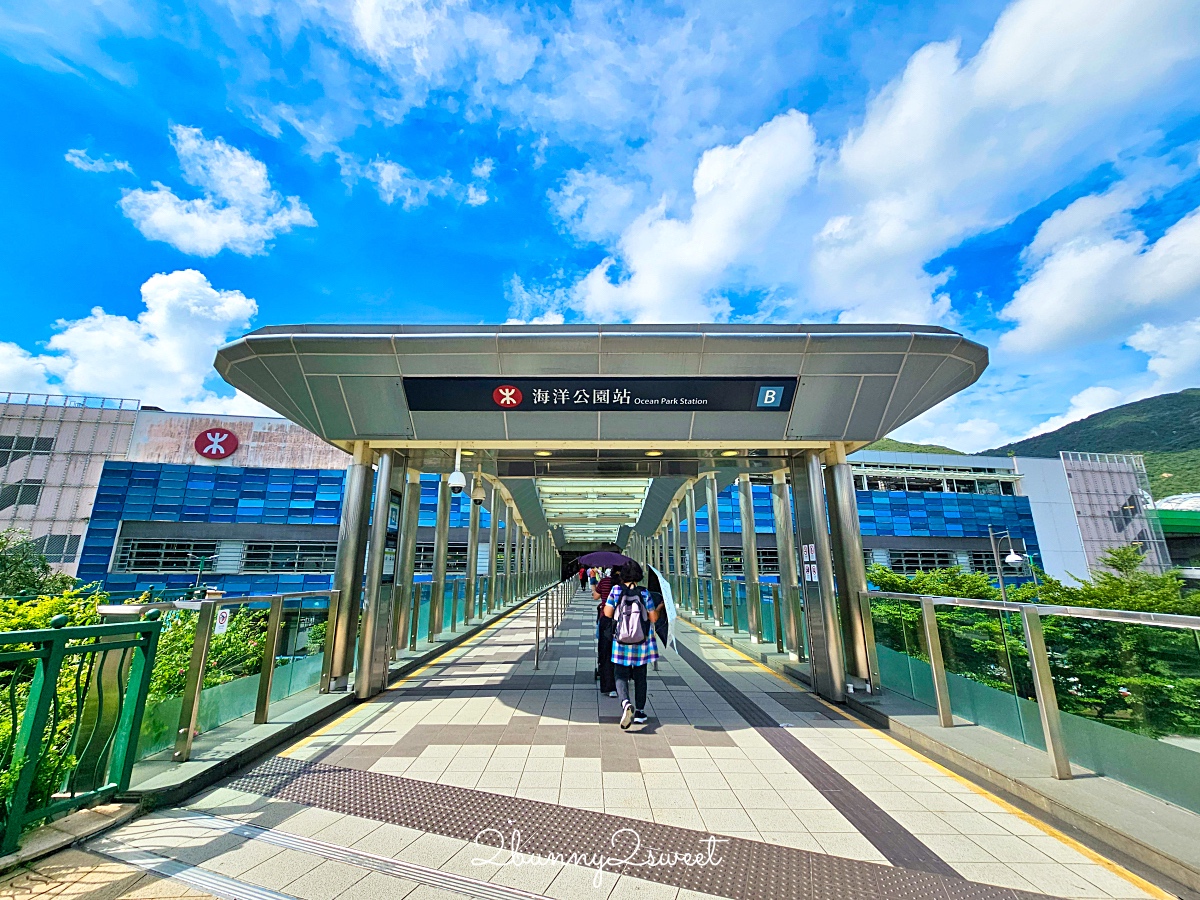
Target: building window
point(983, 561)
point(58, 548)
point(909, 562)
point(24, 493)
point(13, 447)
point(138, 555)
point(289, 556)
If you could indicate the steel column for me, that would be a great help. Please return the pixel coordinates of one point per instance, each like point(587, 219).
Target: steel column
point(509, 543)
point(1043, 686)
point(857, 627)
point(827, 659)
point(472, 555)
point(789, 580)
point(693, 546)
point(348, 568)
point(367, 682)
point(714, 547)
point(404, 633)
point(749, 559)
point(441, 539)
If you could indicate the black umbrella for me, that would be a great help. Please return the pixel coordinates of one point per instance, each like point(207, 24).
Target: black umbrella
point(605, 558)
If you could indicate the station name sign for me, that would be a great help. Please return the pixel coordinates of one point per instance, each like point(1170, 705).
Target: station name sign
point(599, 394)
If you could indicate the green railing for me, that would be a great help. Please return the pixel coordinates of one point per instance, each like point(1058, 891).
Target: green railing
point(74, 699)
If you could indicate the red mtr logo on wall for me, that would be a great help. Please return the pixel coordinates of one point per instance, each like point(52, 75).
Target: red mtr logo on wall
point(216, 443)
point(507, 396)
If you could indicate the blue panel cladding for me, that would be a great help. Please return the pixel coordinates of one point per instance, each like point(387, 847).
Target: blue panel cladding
point(460, 507)
point(729, 508)
point(180, 493)
point(928, 514)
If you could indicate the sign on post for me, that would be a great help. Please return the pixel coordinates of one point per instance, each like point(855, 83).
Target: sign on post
point(222, 621)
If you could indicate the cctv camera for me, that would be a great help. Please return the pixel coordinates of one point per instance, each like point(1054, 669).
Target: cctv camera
point(477, 495)
point(458, 482)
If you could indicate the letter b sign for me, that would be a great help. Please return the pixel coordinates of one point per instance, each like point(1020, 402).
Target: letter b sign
point(769, 397)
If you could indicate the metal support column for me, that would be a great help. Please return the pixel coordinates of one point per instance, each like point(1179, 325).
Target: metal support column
point(348, 568)
point(404, 634)
point(472, 554)
point(714, 548)
point(788, 600)
point(826, 656)
point(857, 627)
point(693, 548)
point(441, 539)
point(750, 559)
point(677, 557)
point(1043, 686)
point(509, 543)
point(371, 675)
point(493, 535)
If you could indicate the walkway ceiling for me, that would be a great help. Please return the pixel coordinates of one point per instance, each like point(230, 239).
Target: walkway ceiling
point(592, 509)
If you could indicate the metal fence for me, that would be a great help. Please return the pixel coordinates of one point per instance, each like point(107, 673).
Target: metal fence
point(1113, 691)
point(74, 699)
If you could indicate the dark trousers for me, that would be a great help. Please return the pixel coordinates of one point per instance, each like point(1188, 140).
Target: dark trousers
point(608, 681)
point(638, 675)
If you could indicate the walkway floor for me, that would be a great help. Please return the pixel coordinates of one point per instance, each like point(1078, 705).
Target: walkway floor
point(741, 785)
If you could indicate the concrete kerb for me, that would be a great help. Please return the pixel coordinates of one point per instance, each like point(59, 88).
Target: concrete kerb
point(174, 793)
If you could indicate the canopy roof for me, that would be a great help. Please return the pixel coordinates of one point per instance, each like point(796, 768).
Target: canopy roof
point(601, 386)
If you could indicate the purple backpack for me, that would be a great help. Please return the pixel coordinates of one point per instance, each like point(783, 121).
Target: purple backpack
point(630, 616)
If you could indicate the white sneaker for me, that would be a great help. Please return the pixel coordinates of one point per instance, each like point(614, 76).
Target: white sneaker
point(612, 693)
point(627, 715)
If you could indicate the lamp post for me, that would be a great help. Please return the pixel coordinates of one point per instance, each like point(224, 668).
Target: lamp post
point(202, 560)
point(1013, 558)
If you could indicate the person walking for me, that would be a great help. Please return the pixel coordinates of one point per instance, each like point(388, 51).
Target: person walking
point(633, 612)
point(604, 638)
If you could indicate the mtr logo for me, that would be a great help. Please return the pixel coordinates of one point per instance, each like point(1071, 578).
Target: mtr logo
point(216, 443)
point(507, 397)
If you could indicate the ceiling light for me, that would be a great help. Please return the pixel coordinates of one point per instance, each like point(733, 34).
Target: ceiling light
point(729, 453)
point(541, 452)
point(468, 453)
point(654, 453)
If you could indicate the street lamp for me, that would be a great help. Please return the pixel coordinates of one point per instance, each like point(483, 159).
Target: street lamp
point(202, 558)
point(1013, 558)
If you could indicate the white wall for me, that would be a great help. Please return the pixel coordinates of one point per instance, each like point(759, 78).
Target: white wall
point(1044, 482)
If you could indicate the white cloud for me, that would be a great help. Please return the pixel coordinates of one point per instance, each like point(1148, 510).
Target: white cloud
point(675, 268)
point(1174, 354)
point(593, 206)
point(483, 168)
point(239, 211)
point(476, 196)
point(395, 182)
point(1093, 273)
point(81, 160)
point(163, 357)
point(1086, 403)
point(952, 147)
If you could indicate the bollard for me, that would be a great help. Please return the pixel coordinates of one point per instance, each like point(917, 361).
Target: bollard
point(537, 633)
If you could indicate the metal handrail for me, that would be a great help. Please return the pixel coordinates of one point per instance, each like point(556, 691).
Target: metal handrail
point(557, 600)
point(1039, 659)
point(1165, 620)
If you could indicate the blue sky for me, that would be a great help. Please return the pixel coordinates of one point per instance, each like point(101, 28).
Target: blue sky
point(173, 174)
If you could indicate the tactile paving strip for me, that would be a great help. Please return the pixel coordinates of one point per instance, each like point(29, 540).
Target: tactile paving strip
point(747, 870)
point(898, 846)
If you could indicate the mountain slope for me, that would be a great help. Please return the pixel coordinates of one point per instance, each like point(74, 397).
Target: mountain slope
point(1164, 429)
point(888, 445)
point(1167, 423)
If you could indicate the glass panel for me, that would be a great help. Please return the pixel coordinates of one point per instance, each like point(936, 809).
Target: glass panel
point(1130, 698)
point(766, 592)
point(739, 609)
point(424, 588)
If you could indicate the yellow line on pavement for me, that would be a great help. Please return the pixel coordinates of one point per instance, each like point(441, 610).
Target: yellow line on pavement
point(355, 709)
point(1136, 880)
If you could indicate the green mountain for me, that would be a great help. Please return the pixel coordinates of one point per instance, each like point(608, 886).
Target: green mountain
point(1165, 429)
point(890, 446)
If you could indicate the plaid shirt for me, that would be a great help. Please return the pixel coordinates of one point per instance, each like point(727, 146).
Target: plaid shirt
point(633, 654)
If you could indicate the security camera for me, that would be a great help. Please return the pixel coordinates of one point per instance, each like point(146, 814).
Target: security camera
point(477, 494)
point(458, 482)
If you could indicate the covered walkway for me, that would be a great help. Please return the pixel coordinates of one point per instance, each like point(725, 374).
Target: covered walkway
point(741, 785)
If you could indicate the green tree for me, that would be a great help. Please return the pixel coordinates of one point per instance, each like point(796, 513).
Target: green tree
point(25, 570)
point(1138, 677)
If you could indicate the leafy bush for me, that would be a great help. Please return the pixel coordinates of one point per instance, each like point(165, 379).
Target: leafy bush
point(25, 570)
point(1137, 677)
point(237, 652)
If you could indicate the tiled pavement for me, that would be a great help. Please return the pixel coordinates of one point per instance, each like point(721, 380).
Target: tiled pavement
point(814, 803)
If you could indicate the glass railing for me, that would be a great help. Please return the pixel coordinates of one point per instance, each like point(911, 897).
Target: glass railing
point(1122, 688)
point(767, 591)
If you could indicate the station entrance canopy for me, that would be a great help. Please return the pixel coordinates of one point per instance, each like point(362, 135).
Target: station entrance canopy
point(602, 433)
